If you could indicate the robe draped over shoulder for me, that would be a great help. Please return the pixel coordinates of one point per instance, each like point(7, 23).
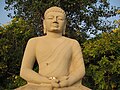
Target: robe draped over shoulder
point(58, 59)
point(54, 60)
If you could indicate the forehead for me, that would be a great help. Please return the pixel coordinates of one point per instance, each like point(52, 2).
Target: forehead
point(55, 14)
point(53, 11)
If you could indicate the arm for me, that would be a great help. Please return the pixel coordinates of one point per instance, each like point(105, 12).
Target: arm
point(77, 68)
point(26, 71)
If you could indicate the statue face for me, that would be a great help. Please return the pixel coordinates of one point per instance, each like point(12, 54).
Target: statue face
point(55, 22)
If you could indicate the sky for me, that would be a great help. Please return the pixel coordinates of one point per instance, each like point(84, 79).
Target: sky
point(115, 3)
point(4, 18)
point(3, 14)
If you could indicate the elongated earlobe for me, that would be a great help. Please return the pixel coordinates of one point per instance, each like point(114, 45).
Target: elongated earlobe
point(45, 31)
point(44, 28)
point(63, 32)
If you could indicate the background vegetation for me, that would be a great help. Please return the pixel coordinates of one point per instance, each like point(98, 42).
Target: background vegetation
point(101, 53)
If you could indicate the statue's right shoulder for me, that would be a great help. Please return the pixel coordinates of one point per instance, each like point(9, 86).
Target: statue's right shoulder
point(32, 39)
point(35, 39)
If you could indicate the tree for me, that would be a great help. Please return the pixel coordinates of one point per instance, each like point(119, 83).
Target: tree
point(102, 57)
point(83, 15)
point(117, 23)
point(13, 38)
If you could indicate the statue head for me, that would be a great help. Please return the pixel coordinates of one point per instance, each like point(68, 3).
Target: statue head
point(54, 20)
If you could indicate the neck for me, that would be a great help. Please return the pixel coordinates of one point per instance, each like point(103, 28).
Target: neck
point(54, 35)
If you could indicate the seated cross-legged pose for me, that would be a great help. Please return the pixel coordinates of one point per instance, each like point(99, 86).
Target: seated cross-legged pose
point(61, 65)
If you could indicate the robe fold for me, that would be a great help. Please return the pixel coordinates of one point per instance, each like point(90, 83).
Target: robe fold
point(57, 59)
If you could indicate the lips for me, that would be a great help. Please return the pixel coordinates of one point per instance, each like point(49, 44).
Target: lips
point(55, 25)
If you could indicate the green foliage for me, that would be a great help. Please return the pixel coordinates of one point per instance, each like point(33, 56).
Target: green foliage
point(101, 54)
point(102, 58)
point(82, 15)
point(13, 38)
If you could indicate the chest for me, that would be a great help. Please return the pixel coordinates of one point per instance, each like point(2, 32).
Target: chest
point(62, 49)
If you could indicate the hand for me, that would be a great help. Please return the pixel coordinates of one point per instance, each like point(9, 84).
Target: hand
point(63, 78)
point(64, 83)
point(55, 83)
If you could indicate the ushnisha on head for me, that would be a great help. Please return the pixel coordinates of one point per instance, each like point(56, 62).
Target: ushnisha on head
point(54, 9)
point(56, 12)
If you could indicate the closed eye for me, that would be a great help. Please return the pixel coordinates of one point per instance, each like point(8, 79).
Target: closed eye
point(60, 18)
point(50, 17)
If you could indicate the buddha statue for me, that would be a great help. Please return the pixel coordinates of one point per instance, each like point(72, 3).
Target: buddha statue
point(60, 60)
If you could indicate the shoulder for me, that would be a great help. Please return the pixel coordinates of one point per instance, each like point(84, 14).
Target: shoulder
point(71, 40)
point(35, 39)
point(32, 41)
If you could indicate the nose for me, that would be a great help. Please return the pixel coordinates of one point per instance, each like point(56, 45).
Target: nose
point(55, 19)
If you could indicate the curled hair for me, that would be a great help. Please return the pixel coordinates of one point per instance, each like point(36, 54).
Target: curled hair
point(54, 9)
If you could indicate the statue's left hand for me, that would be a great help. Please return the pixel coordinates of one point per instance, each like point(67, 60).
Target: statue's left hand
point(63, 78)
point(64, 83)
point(54, 83)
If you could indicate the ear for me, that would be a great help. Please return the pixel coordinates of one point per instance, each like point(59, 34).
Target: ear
point(64, 28)
point(44, 27)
